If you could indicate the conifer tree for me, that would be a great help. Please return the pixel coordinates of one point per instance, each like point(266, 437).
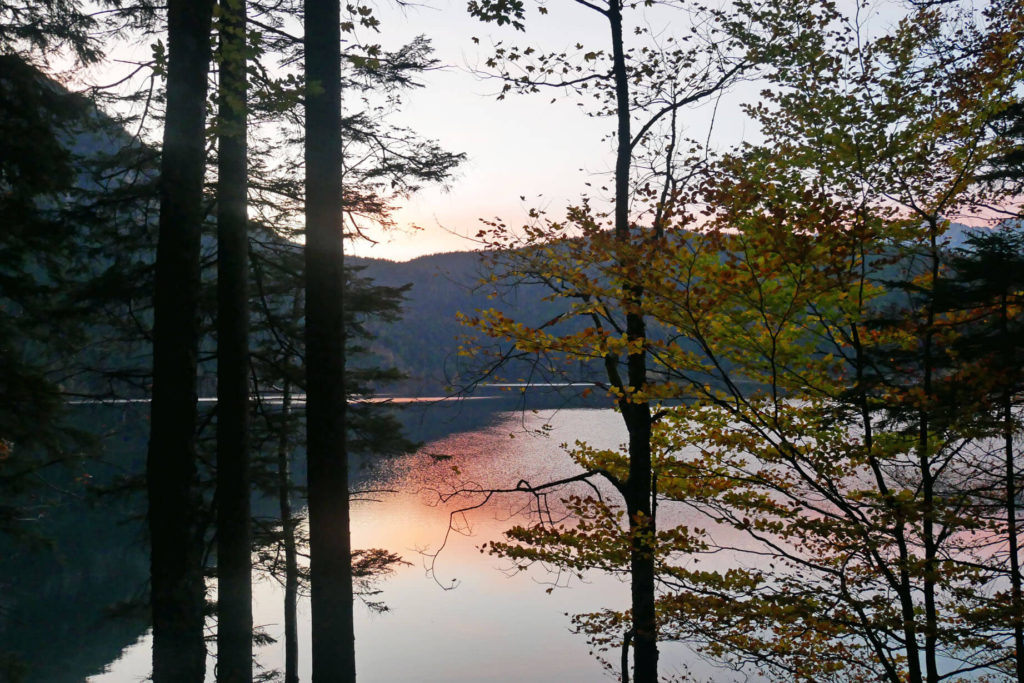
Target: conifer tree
point(234, 516)
point(176, 586)
point(327, 456)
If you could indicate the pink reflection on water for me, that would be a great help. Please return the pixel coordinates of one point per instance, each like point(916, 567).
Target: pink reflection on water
point(495, 626)
point(416, 517)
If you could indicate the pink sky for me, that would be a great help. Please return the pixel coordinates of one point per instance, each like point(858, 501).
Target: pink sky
point(524, 146)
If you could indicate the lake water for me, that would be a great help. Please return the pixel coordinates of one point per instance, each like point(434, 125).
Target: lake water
point(477, 621)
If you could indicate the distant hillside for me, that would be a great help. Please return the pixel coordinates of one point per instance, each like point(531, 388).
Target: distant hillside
point(424, 343)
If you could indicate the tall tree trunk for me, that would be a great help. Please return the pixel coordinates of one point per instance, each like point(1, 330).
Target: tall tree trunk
point(176, 578)
point(931, 629)
point(291, 565)
point(636, 414)
point(901, 580)
point(1016, 602)
point(1013, 549)
point(234, 534)
point(333, 638)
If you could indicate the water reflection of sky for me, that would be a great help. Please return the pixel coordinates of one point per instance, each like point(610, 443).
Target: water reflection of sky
point(494, 626)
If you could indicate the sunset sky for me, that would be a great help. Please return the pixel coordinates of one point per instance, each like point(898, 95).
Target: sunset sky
point(527, 147)
point(524, 146)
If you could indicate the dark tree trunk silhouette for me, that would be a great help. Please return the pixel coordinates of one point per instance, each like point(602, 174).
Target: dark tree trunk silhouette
point(176, 578)
point(989, 272)
point(1016, 601)
point(636, 490)
point(333, 639)
point(234, 534)
point(291, 565)
point(931, 634)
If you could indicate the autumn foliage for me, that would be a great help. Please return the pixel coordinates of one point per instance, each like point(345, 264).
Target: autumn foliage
point(833, 386)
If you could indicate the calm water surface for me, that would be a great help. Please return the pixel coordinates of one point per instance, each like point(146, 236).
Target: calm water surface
point(490, 624)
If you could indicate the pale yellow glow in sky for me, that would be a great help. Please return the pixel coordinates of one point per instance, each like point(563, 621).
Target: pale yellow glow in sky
point(524, 146)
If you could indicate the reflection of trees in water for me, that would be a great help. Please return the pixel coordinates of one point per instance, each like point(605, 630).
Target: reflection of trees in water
point(66, 597)
point(62, 616)
point(66, 594)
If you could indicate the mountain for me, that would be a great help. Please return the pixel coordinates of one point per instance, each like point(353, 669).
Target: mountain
point(424, 343)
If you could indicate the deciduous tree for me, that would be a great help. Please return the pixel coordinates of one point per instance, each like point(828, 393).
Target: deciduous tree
point(827, 431)
point(642, 87)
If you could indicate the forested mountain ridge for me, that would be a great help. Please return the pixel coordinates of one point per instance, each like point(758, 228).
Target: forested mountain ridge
point(424, 343)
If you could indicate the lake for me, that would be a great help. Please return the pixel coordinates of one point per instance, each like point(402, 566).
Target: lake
point(472, 620)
